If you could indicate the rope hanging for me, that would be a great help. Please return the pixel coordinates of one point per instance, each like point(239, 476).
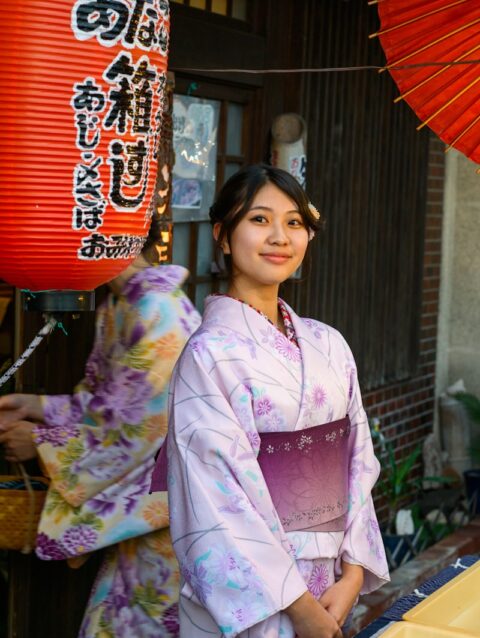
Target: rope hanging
point(332, 69)
point(43, 332)
point(50, 324)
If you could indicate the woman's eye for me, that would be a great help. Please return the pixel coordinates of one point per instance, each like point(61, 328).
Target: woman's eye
point(296, 222)
point(259, 218)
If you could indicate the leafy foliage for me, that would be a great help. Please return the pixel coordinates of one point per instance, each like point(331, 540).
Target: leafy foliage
point(471, 403)
point(396, 481)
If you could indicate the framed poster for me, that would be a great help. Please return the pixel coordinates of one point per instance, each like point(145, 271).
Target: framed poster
point(195, 130)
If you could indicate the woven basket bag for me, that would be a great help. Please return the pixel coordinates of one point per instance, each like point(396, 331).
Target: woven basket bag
point(20, 510)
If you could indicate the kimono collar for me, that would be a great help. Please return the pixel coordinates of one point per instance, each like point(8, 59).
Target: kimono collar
point(283, 311)
point(154, 279)
point(225, 309)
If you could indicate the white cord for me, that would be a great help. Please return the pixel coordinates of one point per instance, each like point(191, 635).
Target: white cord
point(43, 332)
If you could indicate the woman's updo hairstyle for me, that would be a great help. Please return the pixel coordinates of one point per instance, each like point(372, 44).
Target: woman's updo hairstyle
point(237, 194)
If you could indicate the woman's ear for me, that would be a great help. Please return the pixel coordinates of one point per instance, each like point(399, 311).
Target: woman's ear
point(217, 227)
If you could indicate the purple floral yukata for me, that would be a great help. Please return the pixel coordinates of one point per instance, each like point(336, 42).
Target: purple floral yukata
point(98, 447)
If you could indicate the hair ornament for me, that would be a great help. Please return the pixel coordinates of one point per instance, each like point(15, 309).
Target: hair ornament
point(313, 210)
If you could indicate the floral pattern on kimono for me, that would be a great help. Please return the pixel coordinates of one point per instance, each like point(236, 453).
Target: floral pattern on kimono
point(237, 378)
point(98, 447)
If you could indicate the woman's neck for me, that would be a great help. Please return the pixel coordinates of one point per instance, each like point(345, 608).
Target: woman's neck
point(265, 300)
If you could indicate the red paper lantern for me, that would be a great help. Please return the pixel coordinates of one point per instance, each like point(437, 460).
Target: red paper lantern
point(81, 96)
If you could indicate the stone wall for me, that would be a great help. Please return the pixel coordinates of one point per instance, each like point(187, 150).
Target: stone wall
point(459, 321)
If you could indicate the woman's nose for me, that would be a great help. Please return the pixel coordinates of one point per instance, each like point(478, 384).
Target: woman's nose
point(278, 234)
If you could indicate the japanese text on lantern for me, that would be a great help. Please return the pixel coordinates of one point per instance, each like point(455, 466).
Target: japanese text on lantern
point(117, 118)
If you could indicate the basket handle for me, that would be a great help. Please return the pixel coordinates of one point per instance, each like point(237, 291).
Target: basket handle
point(27, 548)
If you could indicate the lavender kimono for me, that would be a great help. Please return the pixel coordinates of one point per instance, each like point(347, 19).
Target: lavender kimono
point(98, 447)
point(239, 377)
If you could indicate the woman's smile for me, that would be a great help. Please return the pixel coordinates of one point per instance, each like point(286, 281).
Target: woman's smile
point(275, 258)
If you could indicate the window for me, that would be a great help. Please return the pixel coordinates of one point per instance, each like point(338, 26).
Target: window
point(237, 9)
point(195, 144)
point(216, 121)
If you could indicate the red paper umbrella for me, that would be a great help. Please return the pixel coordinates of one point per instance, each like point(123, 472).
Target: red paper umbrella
point(433, 54)
point(81, 96)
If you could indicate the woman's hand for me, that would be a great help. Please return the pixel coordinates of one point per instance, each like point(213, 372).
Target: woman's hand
point(339, 599)
point(311, 620)
point(14, 407)
point(18, 442)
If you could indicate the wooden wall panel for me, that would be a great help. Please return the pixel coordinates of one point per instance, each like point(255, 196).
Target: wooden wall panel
point(367, 174)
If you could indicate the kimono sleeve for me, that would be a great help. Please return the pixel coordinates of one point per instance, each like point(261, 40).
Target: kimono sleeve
point(362, 543)
point(65, 410)
point(123, 421)
point(234, 555)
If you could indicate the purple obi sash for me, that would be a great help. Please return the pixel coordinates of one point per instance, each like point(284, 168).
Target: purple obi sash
point(306, 472)
point(159, 476)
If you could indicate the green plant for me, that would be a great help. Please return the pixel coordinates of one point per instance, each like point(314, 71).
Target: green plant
point(396, 481)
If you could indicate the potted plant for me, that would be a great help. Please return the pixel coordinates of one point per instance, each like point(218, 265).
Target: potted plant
point(396, 483)
point(471, 403)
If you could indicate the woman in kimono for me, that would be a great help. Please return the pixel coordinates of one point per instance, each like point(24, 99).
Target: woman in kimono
point(98, 447)
point(270, 459)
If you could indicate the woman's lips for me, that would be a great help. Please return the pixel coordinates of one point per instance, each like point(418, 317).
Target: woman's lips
point(275, 259)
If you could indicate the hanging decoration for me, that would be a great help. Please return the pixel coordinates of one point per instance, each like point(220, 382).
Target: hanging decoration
point(433, 54)
point(82, 89)
point(288, 145)
point(163, 187)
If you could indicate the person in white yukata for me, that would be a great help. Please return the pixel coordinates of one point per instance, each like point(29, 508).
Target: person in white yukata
point(270, 459)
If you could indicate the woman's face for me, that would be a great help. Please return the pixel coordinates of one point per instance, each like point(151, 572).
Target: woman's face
point(270, 241)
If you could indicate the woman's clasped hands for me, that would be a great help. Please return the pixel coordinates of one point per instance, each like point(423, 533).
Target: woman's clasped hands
point(311, 620)
point(15, 427)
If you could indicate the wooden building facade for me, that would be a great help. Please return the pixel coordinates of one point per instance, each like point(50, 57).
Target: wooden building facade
point(374, 271)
